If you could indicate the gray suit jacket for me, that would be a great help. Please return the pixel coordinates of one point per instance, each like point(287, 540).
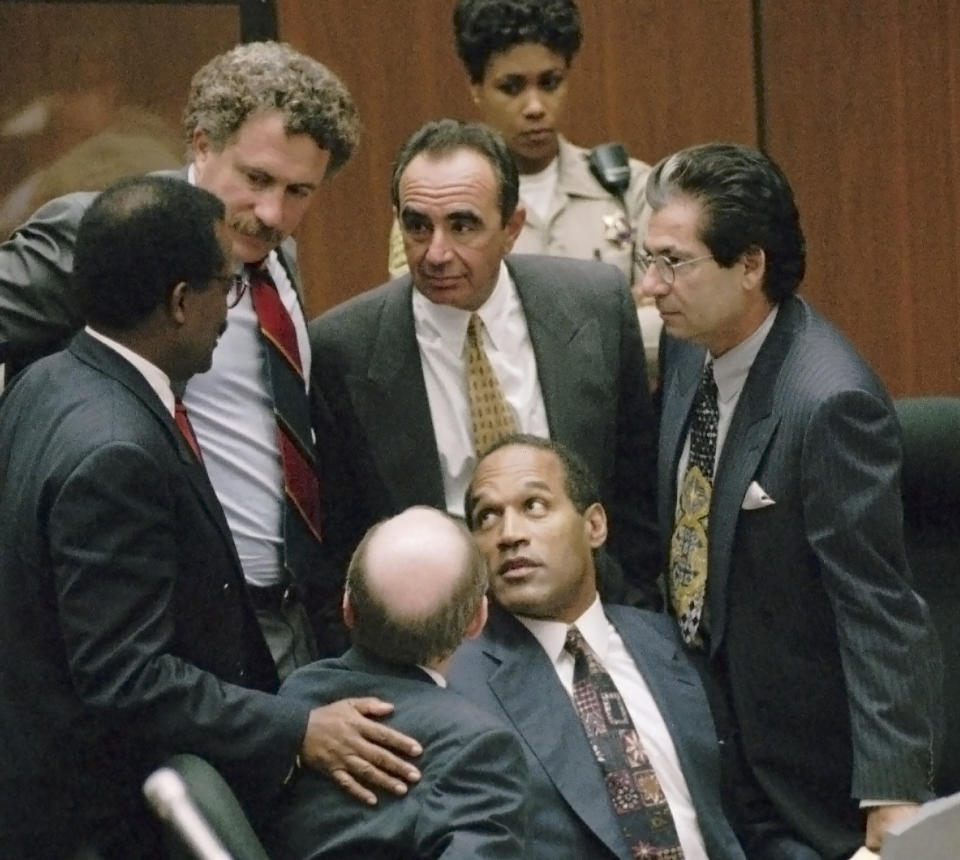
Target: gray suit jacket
point(375, 434)
point(831, 664)
point(469, 805)
point(507, 672)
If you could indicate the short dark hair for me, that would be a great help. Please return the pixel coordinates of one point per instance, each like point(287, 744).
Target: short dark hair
point(420, 639)
point(579, 482)
point(444, 136)
point(139, 239)
point(483, 28)
point(747, 203)
point(258, 77)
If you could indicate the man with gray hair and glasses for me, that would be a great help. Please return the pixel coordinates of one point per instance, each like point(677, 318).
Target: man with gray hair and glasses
point(779, 495)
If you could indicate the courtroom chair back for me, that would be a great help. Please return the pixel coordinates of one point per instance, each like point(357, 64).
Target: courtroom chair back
point(931, 500)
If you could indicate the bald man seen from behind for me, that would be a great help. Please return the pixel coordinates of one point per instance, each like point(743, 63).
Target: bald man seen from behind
point(415, 589)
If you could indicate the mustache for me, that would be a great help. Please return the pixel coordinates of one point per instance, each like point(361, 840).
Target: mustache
point(253, 226)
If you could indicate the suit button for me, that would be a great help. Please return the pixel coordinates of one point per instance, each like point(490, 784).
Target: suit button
point(226, 587)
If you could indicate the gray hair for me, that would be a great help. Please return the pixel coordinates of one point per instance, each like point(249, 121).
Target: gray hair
point(271, 76)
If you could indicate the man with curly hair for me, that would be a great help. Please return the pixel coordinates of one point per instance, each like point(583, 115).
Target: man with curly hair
point(264, 126)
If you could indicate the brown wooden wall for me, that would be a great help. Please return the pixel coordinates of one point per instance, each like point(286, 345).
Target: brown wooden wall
point(860, 102)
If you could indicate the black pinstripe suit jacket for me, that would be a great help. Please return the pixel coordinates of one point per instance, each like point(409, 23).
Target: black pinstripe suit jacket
point(830, 666)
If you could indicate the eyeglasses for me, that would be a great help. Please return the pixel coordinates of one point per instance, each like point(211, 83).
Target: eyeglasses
point(238, 286)
point(666, 268)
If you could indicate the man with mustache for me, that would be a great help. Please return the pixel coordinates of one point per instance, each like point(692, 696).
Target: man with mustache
point(534, 510)
point(265, 126)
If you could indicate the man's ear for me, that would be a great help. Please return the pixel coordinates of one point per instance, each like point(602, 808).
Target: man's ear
point(595, 524)
point(176, 302)
point(201, 147)
point(479, 620)
point(349, 619)
point(513, 227)
point(475, 93)
point(754, 267)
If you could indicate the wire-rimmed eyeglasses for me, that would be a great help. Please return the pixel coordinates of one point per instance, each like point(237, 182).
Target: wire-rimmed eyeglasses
point(666, 268)
point(237, 287)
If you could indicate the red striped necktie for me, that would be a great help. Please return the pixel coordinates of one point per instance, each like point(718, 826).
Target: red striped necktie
point(291, 407)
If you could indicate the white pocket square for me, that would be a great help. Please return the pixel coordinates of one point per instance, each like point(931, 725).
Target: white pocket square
point(756, 498)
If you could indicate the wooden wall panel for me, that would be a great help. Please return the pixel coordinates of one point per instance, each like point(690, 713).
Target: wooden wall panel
point(863, 112)
point(654, 74)
point(93, 67)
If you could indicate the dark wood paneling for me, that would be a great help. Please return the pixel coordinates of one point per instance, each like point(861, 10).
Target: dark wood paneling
point(97, 66)
point(863, 112)
point(655, 74)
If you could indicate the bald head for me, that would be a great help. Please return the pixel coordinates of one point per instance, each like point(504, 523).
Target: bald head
point(414, 587)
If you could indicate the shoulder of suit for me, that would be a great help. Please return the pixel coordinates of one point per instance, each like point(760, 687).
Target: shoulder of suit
point(643, 621)
point(586, 278)
point(363, 309)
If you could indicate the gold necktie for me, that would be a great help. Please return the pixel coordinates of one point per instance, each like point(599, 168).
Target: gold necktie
point(490, 414)
point(688, 546)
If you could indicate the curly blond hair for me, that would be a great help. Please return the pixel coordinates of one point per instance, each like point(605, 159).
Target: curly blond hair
point(271, 76)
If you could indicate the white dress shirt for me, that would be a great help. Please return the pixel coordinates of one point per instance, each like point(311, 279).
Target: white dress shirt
point(155, 377)
point(231, 410)
point(730, 372)
point(606, 643)
point(441, 333)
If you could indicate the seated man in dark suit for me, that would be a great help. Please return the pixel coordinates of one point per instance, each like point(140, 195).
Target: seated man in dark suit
point(615, 723)
point(415, 589)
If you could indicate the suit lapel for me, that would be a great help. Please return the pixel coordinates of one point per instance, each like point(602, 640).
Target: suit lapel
point(98, 355)
point(677, 690)
point(527, 688)
point(391, 402)
point(752, 428)
point(569, 360)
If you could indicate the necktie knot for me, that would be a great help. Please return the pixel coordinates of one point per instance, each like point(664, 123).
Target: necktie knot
point(574, 643)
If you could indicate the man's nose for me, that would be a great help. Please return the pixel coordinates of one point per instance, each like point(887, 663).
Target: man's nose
point(269, 207)
point(652, 283)
point(511, 529)
point(438, 251)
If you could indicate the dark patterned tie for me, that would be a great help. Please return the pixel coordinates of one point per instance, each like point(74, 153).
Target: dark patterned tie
point(182, 421)
point(688, 547)
point(490, 414)
point(291, 407)
point(635, 792)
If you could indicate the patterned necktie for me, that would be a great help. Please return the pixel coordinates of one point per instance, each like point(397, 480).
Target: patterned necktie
point(635, 792)
point(182, 421)
point(291, 407)
point(490, 414)
point(688, 547)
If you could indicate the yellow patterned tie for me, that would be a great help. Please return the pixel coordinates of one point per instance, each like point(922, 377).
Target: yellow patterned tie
point(688, 546)
point(489, 412)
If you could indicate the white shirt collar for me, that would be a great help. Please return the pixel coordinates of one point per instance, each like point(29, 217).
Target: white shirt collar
point(449, 324)
point(434, 674)
point(156, 378)
point(551, 635)
point(730, 369)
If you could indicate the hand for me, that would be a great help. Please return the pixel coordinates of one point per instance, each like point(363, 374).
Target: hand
point(881, 818)
point(342, 742)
